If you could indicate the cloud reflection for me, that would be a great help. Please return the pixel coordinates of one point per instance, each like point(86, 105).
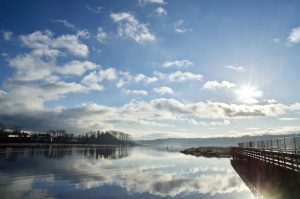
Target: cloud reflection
point(153, 173)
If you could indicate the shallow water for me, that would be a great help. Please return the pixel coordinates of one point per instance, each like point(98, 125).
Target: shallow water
point(137, 172)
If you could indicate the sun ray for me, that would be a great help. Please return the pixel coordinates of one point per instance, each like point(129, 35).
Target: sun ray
point(249, 94)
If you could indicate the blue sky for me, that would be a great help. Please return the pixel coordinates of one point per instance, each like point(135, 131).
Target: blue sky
point(151, 68)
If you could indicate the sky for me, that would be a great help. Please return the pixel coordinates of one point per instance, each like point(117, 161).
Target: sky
point(151, 68)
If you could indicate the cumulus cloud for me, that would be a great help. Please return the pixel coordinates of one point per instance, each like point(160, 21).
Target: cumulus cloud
point(52, 91)
point(183, 76)
point(236, 68)
point(7, 35)
point(30, 97)
point(108, 74)
point(41, 61)
point(294, 36)
point(161, 11)
point(46, 42)
point(94, 79)
point(163, 90)
point(137, 92)
point(129, 26)
point(32, 67)
point(76, 67)
point(146, 2)
point(23, 108)
point(101, 35)
point(215, 85)
point(145, 79)
point(83, 34)
point(178, 63)
point(178, 76)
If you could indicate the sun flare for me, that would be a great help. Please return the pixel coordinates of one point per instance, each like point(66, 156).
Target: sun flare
point(249, 94)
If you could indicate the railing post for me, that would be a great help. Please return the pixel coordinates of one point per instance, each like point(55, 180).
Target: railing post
point(271, 145)
point(295, 144)
point(284, 144)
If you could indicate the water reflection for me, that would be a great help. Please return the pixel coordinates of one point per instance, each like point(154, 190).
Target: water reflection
point(11, 154)
point(267, 181)
point(116, 173)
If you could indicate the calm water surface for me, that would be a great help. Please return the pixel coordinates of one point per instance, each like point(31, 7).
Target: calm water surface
point(137, 172)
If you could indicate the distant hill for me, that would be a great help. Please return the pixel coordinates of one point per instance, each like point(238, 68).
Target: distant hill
point(177, 144)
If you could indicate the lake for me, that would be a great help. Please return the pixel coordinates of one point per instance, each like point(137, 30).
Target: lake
point(137, 172)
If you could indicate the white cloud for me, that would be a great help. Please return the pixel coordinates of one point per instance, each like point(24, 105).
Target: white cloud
point(108, 74)
point(65, 23)
point(83, 34)
point(215, 85)
point(44, 41)
point(179, 26)
point(130, 27)
point(137, 92)
point(26, 103)
point(178, 63)
point(80, 33)
point(183, 76)
point(41, 61)
point(236, 68)
point(294, 36)
point(53, 91)
point(144, 78)
point(161, 11)
point(96, 10)
point(217, 110)
point(178, 76)
point(268, 131)
point(31, 67)
point(76, 67)
point(145, 2)
point(288, 119)
point(295, 107)
point(163, 90)
point(2, 93)
point(7, 35)
point(29, 97)
point(101, 35)
point(92, 81)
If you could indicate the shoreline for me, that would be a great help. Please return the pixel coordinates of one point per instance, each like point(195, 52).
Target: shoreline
point(208, 152)
point(2, 145)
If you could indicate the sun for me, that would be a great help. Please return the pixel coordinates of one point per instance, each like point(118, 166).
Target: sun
point(249, 94)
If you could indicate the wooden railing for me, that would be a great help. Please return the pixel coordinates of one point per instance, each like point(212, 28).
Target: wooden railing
point(277, 158)
point(287, 144)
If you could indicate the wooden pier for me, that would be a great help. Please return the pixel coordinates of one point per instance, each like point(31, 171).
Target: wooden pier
point(281, 152)
point(270, 168)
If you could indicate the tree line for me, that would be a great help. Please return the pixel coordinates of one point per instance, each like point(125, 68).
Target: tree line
point(61, 136)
